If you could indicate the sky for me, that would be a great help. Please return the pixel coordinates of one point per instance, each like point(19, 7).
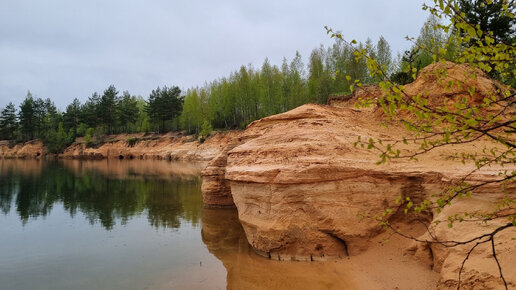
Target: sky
point(62, 49)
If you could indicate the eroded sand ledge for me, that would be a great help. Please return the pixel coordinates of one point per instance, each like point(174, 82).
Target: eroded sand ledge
point(169, 146)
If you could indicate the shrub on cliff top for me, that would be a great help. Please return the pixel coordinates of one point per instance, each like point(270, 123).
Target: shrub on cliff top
point(131, 141)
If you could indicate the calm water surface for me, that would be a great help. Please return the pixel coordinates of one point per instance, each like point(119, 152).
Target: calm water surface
point(129, 225)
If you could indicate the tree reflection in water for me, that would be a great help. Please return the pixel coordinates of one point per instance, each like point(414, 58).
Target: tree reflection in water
point(107, 192)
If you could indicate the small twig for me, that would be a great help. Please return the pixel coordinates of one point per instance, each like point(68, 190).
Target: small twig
point(465, 259)
point(497, 262)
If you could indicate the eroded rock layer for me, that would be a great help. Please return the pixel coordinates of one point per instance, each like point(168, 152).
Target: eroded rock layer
point(32, 149)
point(171, 146)
point(299, 192)
point(216, 191)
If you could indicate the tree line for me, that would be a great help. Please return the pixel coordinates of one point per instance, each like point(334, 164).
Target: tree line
point(252, 93)
point(108, 113)
point(230, 102)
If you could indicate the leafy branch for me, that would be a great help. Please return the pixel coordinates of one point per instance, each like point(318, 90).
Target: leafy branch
point(463, 115)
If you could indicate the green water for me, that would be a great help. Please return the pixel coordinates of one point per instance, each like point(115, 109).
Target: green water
point(103, 225)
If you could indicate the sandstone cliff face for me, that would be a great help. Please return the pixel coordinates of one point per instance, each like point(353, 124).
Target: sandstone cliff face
point(300, 185)
point(170, 146)
point(31, 149)
point(216, 191)
point(480, 269)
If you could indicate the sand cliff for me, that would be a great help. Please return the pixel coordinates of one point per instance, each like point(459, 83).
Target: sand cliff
point(301, 187)
point(169, 146)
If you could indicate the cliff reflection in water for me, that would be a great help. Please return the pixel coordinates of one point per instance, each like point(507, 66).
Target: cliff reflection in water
point(106, 192)
point(225, 238)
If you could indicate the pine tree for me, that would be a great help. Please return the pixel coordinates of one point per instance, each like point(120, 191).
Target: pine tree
point(164, 105)
point(107, 106)
point(384, 55)
point(490, 16)
point(127, 111)
point(299, 92)
point(90, 111)
point(319, 78)
point(8, 122)
point(496, 18)
point(71, 117)
point(27, 117)
point(50, 118)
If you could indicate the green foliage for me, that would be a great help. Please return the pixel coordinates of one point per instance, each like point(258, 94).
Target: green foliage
point(8, 122)
point(458, 121)
point(90, 111)
point(88, 137)
point(27, 117)
point(402, 78)
point(81, 130)
point(206, 129)
point(142, 122)
point(319, 77)
point(57, 141)
point(72, 117)
point(144, 126)
point(191, 117)
point(132, 141)
point(249, 94)
point(384, 56)
point(36, 117)
point(497, 17)
point(164, 105)
point(108, 108)
point(99, 135)
point(127, 112)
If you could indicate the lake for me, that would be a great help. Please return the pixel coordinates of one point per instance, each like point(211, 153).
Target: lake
point(138, 224)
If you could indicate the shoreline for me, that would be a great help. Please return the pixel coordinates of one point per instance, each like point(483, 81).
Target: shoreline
point(174, 146)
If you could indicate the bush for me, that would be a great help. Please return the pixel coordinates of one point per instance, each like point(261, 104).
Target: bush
point(81, 130)
point(131, 141)
point(206, 129)
point(57, 141)
point(87, 137)
point(402, 78)
point(99, 135)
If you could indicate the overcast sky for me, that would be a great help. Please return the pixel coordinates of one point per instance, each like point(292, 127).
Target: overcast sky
point(62, 49)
